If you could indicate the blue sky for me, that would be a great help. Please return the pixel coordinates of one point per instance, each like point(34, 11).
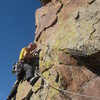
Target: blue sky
point(17, 27)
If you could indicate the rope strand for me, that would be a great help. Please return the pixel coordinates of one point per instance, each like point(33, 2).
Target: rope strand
point(65, 91)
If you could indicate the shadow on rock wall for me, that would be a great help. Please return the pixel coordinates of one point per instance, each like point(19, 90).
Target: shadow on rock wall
point(92, 62)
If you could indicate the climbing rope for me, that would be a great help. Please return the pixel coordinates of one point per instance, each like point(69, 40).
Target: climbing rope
point(64, 91)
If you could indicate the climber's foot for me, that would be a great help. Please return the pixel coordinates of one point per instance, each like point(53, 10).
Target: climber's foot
point(34, 80)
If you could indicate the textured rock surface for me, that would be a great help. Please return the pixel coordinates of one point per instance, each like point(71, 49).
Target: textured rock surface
point(68, 34)
point(44, 2)
point(23, 90)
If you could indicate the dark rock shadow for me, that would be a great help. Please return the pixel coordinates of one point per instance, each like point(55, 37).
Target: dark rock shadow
point(91, 62)
point(44, 2)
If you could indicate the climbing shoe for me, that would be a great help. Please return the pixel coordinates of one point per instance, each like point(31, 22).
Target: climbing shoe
point(8, 98)
point(34, 80)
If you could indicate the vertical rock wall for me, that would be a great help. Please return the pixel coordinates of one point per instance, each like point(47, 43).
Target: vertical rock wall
point(68, 34)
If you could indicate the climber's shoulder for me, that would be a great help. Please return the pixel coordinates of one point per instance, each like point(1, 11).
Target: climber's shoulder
point(22, 53)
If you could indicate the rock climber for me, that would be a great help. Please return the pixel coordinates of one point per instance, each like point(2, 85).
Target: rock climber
point(24, 68)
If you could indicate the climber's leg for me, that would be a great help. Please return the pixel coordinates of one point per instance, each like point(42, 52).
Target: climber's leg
point(14, 90)
point(34, 80)
point(30, 74)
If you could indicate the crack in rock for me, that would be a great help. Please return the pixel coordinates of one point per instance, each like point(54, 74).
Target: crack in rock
point(94, 30)
point(78, 15)
point(91, 1)
point(96, 22)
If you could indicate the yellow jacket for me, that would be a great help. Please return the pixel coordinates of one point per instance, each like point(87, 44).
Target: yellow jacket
point(22, 53)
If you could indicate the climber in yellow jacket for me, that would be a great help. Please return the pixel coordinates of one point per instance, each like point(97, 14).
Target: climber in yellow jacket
point(28, 52)
point(23, 68)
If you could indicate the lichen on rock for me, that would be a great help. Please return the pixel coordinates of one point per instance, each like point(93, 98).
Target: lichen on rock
point(68, 34)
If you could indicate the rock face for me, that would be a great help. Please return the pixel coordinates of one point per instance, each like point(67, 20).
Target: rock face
point(68, 34)
point(44, 2)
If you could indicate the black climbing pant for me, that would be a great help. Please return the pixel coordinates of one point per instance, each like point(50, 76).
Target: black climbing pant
point(26, 72)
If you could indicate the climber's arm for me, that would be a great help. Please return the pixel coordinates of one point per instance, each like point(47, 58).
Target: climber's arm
point(34, 52)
